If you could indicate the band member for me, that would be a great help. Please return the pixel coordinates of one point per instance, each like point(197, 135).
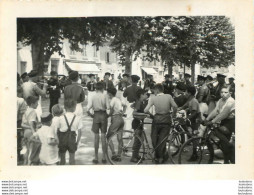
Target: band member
point(231, 86)
point(106, 82)
point(75, 92)
point(54, 89)
point(203, 95)
point(124, 83)
point(130, 94)
point(168, 85)
point(149, 82)
point(91, 86)
point(187, 81)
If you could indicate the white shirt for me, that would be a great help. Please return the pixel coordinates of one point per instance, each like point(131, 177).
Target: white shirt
point(116, 104)
point(77, 123)
point(48, 153)
point(54, 127)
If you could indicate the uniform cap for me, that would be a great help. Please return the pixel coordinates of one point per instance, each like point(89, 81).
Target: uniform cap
point(46, 117)
point(209, 77)
point(221, 75)
point(91, 75)
point(187, 75)
point(125, 75)
point(107, 73)
point(200, 77)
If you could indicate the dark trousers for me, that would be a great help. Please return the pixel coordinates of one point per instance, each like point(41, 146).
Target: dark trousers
point(20, 135)
point(53, 101)
point(159, 132)
point(137, 143)
point(224, 133)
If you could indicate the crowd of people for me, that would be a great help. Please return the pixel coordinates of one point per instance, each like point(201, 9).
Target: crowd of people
point(45, 137)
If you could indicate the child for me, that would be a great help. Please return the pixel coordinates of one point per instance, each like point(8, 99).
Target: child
point(56, 111)
point(100, 106)
point(117, 122)
point(29, 124)
point(69, 132)
point(49, 150)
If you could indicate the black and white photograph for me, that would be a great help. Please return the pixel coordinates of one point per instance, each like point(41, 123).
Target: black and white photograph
point(126, 90)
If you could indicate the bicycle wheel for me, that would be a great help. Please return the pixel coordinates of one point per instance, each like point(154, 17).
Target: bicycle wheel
point(196, 151)
point(174, 145)
point(120, 148)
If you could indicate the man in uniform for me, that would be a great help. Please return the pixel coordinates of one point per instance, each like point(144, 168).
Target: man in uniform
point(130, 94)
point(149, 82)
point(232, 86)
point(168, 85)
point(162, 120)
point(221, 83)
point(91, 87)
point(75, 91)
point(187, 80)
point(122, 85)
point(54, 89)
point(179, 96)
point(106, 82)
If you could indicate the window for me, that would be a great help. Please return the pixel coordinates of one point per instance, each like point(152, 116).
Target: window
point(72, 52)
point(84, 50)
point(107, 57)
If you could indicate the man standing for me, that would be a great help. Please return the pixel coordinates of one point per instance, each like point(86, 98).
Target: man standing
point(75, 92)
point(130, 94)
point(179, 96)
point(54, 89)
point(25, 77)
point(149, 82)
point(107, 83)
point(162, 120)
point(187, 80)
point(91, 86)
point(122, 85)
point(231, 86)
point(30, 88)
point(221, 83)
point(168, 85)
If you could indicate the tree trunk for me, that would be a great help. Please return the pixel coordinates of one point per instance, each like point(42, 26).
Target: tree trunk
point(38, 56)
point(128, 62)
point(170, 69)
point(193, 65)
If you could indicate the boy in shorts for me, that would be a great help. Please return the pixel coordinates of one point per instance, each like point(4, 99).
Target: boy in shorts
point(29, 124)
point(100, 105)
point(69, 132)
point(117, 122)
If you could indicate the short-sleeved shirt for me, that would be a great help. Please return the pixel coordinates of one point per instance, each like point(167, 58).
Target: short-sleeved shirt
point(180, 100)
point(29, 116)
point(100, 102)
point(203, 93)
point(74, 91)
point(162, 103)
point(193, 105)
point(31, 89)
point(48, 153)
point(76, 125)
point(116, 104)
point(54, 127)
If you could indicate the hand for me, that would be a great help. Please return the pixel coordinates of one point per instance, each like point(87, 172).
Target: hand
point(208, 122)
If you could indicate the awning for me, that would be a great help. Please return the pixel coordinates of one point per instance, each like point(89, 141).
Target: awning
point(149, 70)
point(83, 68)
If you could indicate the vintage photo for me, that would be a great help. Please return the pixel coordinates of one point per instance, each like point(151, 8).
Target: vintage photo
point(126, 90)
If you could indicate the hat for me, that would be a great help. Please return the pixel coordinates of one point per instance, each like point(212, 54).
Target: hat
point(91, 75)
point(187, 75)
point(166, 75)
point(221, 75)
point(107, 73)
point(181, 86)
point(125, 75)
point(53, 73)
point(33, 73)
point(209, 77)
point(231, 77)
point(135, 78)
point(200, 77)
point(73, 75)
point(46, 117)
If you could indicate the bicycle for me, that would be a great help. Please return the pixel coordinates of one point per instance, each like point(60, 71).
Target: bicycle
point(125, 139)
point(200, 150)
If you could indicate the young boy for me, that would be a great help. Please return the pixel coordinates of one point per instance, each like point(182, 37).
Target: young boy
point(56, 111)
point(49, 149)
point(29, 124)
point(100, 105)
point(117, 122)
point(69, 132)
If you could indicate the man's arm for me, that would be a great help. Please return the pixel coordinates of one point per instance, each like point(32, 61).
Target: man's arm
point(149, 105)
point(174, 106)
point(213, 113)
point(39, 91)
point(125, 93)
point(224, 114)
point(201, 94)
point(82, 95)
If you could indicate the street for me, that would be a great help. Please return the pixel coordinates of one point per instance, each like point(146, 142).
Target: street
point(85, 152)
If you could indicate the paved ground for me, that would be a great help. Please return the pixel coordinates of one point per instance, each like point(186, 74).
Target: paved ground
point(85, 152)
